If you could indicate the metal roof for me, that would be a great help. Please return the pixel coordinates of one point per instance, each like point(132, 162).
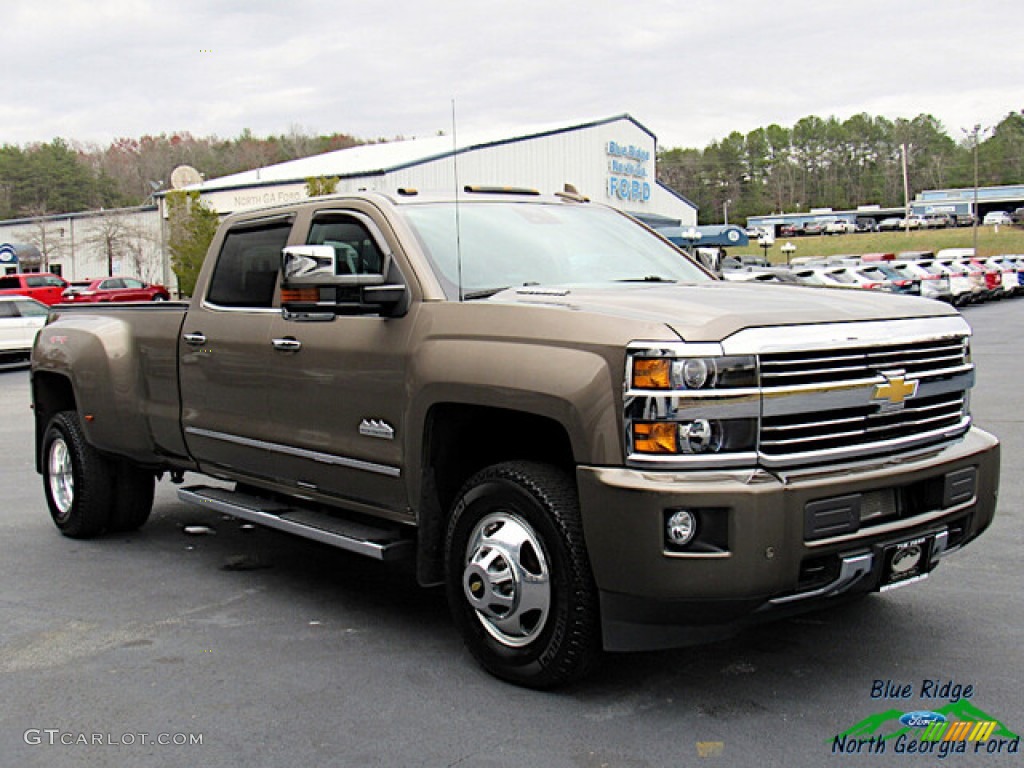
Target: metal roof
point(379, 159)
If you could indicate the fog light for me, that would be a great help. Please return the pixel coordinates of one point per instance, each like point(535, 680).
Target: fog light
point(681, 527)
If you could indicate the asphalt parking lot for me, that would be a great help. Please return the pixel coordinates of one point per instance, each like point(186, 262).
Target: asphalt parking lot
point(242, 646)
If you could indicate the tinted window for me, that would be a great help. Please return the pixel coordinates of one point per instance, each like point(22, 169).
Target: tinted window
point(248, 265)
point(7, 309)
point(9, 282)
point(131, 282)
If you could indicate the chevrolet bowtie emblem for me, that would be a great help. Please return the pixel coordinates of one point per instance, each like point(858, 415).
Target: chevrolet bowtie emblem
point(896, 390)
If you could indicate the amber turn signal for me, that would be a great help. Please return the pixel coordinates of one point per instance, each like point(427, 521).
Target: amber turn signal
point(656, 437)
point(652, 373)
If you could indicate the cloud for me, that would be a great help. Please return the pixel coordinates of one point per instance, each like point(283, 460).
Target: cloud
point(691, 72)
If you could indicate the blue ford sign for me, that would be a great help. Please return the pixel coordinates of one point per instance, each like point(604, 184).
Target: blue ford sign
point(922, 718)
point(7, 254)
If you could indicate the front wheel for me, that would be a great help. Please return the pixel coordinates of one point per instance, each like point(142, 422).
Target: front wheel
point(78, 480)
point(518, 578)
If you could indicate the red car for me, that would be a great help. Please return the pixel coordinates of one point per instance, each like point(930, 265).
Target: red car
point(41, 286)
point(114, 289)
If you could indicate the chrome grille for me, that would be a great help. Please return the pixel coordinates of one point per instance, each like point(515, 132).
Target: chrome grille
point(825, 404)
point(812, 367)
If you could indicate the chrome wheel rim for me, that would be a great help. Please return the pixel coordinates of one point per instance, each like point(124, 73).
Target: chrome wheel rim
point(62, 481)
point(506, 579)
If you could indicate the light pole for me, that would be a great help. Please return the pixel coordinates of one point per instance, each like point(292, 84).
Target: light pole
point(725, 211)
point(788, 248)
point(973, 134)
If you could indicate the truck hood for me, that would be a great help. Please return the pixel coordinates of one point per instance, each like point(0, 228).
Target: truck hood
point(715, 310)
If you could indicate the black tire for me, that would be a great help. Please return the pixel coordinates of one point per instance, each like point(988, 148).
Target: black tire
point(518, 577)
point(77, 479)
point(133, 498)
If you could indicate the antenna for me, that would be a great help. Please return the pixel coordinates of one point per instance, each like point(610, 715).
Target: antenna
point(458, 222)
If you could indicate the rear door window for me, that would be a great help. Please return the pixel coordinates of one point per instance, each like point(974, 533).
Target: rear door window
point(248, 265)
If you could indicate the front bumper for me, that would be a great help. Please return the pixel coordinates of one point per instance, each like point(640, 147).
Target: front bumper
point(760, 560)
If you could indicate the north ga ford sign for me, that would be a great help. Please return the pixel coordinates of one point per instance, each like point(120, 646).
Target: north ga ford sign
point(627, 172)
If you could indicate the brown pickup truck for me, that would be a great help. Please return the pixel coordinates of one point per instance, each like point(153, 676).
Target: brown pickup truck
point(591, 441)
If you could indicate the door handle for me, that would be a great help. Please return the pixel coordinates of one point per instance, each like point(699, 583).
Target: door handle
point(287, 345)
point(194, 339)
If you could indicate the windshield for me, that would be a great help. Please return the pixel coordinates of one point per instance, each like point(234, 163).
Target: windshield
point(505, 244)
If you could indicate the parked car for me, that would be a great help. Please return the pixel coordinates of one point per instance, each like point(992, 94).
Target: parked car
point(933, 279)
point(1017, 217)
point(851, 277)
point(890, 224)
point(996, 217)
point(791, 230)
point(986, 282)
point(114, 289)
point(966, 219)
point(939, 220)
point(839, 227)
point(1018, 261)
point(866, 224)
point(967, 286)
point(41, 286)
point(1009, 282)
point(900, 283)
point(20, 320)
point(814, 228)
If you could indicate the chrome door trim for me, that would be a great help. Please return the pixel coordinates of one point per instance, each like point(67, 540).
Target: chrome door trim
point(302, 453)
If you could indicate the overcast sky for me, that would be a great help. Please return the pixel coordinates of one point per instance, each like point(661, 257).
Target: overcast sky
point(691, 71)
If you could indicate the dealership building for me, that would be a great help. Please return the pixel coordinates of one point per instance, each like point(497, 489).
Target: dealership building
point(610, 160)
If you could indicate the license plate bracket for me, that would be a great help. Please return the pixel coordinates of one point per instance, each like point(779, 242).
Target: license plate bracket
point(906, 562)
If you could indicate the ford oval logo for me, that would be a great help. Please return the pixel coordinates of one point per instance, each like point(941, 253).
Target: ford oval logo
point(922, 718)
point(906, 559)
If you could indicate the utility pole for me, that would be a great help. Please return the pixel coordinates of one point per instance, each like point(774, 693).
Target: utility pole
point(906, 191)
point(974, 213)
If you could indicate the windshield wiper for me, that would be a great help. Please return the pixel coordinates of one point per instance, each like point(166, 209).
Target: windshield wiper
point(647, 279)
point(485, 293)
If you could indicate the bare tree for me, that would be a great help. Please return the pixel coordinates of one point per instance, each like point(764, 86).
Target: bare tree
point(47, 235)
point(123, 243)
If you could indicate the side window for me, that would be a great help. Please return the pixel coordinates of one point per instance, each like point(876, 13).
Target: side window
point(112, 283)
point(248, 265)
point(6, 283)
point(356, 250)
point(131, 282)
point(29, 308)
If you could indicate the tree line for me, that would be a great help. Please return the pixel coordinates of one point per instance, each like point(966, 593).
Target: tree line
point(65, 177)
point(826, 162)
point(818, 162)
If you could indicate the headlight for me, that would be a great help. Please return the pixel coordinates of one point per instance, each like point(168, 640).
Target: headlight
point(691, 405)
point(693, 373)
point(689, 438)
